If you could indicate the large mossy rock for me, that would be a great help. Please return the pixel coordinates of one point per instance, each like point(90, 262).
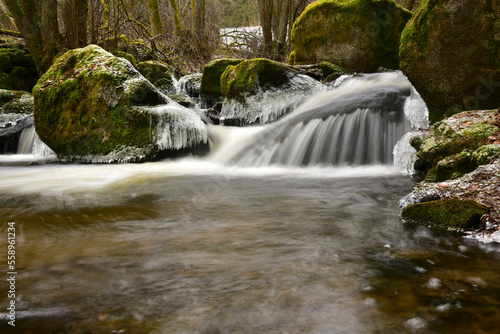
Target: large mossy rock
point(454, 214)
point(93, 106)
point(458, 144)
point(261, 90)
point(358, 35)
point(158, 74)
point(17, 70)
point(210, 81)
point(450, 52)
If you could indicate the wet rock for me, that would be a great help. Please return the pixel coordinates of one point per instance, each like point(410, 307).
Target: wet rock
point(14, 106)
point(190, 84)
point(449, 51)
point(158, 74)
point(127, 56)
point(261, 90)
point(91, 106)
point(454, 214)
point(183, 100)
point(446, 151)
point(371, 41)
point(210, 87)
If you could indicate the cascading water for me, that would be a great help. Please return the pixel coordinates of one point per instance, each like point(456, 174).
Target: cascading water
point(357, 123)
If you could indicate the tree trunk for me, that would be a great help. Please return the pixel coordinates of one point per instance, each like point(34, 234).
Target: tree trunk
point(75, 22)
point(177, 16)
point(282, 19)
point(198, 10)
point(265, 13)
point(37, 22)
point(156, 23)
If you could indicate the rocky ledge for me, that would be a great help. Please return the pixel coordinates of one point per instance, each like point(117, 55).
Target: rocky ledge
point(469, 142)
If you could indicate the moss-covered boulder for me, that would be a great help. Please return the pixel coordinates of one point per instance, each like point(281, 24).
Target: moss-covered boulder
point(261, 90)
point(17, 70)
point(158, 74)
point(452, 214)
point(450, 52)
point(358, 35)
point(210, 81)
point(447, 150)
point(93, 106)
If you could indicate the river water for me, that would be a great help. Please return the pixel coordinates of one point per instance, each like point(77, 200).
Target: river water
point(254, 238)
point(192, 246)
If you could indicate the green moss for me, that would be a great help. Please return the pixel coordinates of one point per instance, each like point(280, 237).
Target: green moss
point(249, 76)
point(328, 68)
point(158, 74)
point(210, 81)
point(442, 141)
point(451, 214)
point(291, 58)
point(445, 70)
point(127, 56)
point(86, 104)
point(451, 167)
point(416, 142)
point(5, 81)
point(319, 34)
point(486, 154)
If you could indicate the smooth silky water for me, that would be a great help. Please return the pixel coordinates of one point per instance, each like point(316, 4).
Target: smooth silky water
point(222, 245)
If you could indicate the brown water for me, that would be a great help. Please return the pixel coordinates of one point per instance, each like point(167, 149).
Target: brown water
point(196, 247)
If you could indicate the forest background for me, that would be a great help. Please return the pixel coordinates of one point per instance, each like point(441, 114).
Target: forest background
point(184, 34)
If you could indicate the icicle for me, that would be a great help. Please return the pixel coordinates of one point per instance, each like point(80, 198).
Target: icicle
point(267, 106)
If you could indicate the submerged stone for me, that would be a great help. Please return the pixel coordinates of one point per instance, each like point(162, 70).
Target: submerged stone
point(454, 214)
point(92, 106)
point(449, 51)
point(358, 35)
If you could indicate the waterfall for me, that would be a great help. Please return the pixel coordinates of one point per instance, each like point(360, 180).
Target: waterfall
point(358, 122)
point(26, 141)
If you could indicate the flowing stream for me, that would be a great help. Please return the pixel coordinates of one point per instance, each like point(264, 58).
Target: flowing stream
point(238, 243)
